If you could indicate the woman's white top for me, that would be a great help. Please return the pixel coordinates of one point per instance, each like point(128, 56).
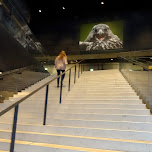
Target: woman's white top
point(60, 64)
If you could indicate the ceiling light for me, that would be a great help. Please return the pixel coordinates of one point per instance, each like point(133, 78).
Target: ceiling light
point(63, 7)
point(40, 11)
point(111, 59)
point(102, 2)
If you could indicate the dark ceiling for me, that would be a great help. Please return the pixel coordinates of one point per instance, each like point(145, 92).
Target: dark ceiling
point(53, 9)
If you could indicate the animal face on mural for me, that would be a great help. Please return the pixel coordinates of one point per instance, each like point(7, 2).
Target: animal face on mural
point(101, 38)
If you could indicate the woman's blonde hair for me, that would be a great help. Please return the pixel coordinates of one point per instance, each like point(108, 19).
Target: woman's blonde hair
point(62, 54)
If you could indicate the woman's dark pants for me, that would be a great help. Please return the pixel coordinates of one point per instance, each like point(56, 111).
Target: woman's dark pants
point(62, 77)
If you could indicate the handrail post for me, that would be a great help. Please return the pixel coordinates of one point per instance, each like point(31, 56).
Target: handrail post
point(69, 79)
point(45, 108)
point(81, 68)
point(16, 105)
point(14, 129)
point(61, 89)
point(79, 71)
point(75, 74)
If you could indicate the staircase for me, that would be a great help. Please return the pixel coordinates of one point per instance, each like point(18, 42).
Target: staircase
point(14, 83)
point(101, 113)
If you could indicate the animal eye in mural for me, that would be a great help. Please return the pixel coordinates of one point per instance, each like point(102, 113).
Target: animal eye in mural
point(101, 38)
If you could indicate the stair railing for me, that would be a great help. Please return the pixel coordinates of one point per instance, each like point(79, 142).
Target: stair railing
point(16, 105)
point(31, 67)
point(139, 76)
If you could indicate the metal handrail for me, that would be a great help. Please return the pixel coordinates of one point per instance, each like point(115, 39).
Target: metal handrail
point(15, 70)
point(16, 105)
point(21, 100)
point(135, 62)
point(142, 60)
point(31, 67)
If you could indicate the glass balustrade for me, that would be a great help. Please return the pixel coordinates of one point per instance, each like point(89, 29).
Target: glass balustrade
point(139, 77)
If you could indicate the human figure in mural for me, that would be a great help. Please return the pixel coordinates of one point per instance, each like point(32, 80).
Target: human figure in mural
point(100, 38)
point(60, 65)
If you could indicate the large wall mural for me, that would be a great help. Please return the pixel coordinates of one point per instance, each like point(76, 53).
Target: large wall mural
point(101, 37)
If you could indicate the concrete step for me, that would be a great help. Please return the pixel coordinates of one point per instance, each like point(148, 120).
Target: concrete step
point(95, 93)
point(113, 117)
point(110, 95)
point(113, 101)
point(99, 91)
point(40, 106)
point(74, 101)
point(105, 100)
point(85, 111)
point(103, 85)
point(5, 130)
point(86, 106)
point(120, 125)
point(40, 113)
point(83, 100)
point(24, 146)
point(91, 79)
point(100, 83)
point(106, 87)
point(103, 97)
point(84, 141)
point(90, 110)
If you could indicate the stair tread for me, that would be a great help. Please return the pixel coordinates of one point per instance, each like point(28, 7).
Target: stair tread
point(60, 148)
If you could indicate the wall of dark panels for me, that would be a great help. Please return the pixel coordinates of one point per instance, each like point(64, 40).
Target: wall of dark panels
point(138, 31)
point(57, 35)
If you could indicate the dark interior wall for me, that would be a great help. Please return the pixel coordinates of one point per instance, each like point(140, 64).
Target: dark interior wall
point(12, 54)
point(55, 36)
point(64, 34)
point(138, 31)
